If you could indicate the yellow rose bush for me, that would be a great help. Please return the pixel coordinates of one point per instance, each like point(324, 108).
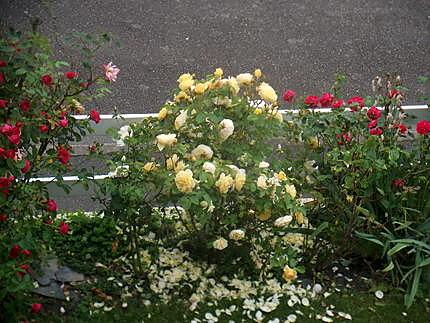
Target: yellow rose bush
point(208, 159)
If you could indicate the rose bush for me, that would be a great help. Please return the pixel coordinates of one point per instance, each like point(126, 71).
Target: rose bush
point(369, 172)
point(207, 162)
point(38, 96)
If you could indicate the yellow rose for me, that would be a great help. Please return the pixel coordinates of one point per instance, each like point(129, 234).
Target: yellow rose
point(227, 129)
point(181, 96)
point(239, 180)
point(236, 234)
point(185, 77)
point(224, 183)
point(291, 189)
point(300, 218)
point(171, 162)
point(218, 72)
point(258, 111)
point(164, 140)
point(234, 86)
point(289, 274)
point(244, 78)
point(186, 84)
point(202, 152)
point(181, 119)
point(265, 215)
point(184, 181)
point(261, 182)
point(150, 166)
point(267, 93)
point(257, 73)
point(162, 114)
point(313, 142)
point(281, 176)
point(220, 244)
point(200, 88)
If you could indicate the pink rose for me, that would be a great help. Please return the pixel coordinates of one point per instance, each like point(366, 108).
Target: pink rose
point(111, 72)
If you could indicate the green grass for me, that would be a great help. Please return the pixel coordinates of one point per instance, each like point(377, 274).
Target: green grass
point(362, 306)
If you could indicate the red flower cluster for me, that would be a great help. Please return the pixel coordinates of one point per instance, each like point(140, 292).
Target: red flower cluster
point(423, 127)
point(13, 133)
point(374, 114)
point(63, 155)
point(5, 184)
point(326, 100)
point(376, 131)
point(311, 101)
point(355, 103)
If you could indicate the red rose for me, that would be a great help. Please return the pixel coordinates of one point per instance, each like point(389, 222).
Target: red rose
point(26, 252)
point(3, 63)
point(376, 131)
point(14, 139)
point(70, 75)
point(27, 167)
point(26, 269)
point(326, 99)
point(423, 127)
point(395, 94)
point(14, 251)
point(399, 182)
point(24, 105)
point(95, 116)
point(63, 123)
point(337, 104)
point(373, 113)
point(2, 79)
point(63, 155)
point(343, 138)
point(47, 80)
point(311, 101)
point(63, 228)
point(356, 102)
point(43, 128)
point(372, 124)
point(289, 96)
point(401, 128)
point(3, 217)
point(51, 206)
point(5, 183)
point(36, 308)
point(10, 153)
point(3, 103)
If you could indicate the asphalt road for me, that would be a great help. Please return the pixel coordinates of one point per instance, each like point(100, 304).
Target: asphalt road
point(298, 44)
